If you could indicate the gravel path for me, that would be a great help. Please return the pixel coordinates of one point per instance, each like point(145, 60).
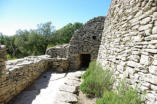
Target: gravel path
point(51, 88)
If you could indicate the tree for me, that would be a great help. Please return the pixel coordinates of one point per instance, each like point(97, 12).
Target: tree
point(35, 41)
point(64, 34)
point(46, 29)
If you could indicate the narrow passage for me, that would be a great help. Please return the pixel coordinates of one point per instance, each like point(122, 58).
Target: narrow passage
point(51, 88)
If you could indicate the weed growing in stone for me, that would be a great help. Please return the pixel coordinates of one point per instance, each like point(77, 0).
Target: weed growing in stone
point(124, 94)
point(96, 80)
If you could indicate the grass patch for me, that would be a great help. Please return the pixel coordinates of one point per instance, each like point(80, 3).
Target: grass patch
point(96, 80)
point(10, 58)
point(124, 94)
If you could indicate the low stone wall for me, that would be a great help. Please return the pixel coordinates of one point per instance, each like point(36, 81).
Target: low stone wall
point(60, 64)
point(2, 59)
point(60, 51)
point(20, 73)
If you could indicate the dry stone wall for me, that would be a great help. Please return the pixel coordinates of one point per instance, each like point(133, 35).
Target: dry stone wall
point(86, 41)
point(20, 73)
point(2, 59)
point(60, 51)
point(16, 75)
point(129, 44)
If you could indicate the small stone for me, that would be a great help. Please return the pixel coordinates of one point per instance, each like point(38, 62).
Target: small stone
point(151, 37)
point(155, 16)
point(155, 23)
point(72, 83)
point(154, 30)
point(145, 60)
point(148, 32)
point(60, 70)
point(150, 78)
point(151, 50)
point(59, 102)
point(145, 20)
point(68, 88)
point(145, 27)
point(155, 62)
point(133, 64)
point(153, 69)
point(66, 97)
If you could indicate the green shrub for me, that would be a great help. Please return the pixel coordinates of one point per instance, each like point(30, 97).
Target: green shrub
point(124, 94)
point(96, 80)
point(90, 69)
point(10, 58)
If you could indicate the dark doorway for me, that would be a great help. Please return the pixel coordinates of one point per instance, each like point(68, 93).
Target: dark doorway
point(85, 60)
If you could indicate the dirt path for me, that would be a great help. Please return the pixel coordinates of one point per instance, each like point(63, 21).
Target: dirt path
point(51, 88)
point(82, 99)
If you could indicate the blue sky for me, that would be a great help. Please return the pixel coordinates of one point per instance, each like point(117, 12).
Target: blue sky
point(26, 14)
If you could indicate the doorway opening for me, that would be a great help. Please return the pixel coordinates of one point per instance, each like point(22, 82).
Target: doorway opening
point(85, 60)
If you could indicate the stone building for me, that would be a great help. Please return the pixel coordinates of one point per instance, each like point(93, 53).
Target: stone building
point(83, 46)
point(85, 43)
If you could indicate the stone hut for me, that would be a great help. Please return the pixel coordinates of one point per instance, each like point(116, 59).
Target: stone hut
point(83, 46)
point(85, 43)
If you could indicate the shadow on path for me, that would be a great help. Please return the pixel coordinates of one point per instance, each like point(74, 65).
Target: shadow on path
point(31, 92)
point(44, 89)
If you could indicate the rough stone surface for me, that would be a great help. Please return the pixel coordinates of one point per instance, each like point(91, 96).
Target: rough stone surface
point(60, 51)
point(21, 73)
point(50, 89)
point(2, 59)
point(67, 88)
point(128, 45)
point(66, 97)
point(16, 75)
point(86, 41)
point(129, 37)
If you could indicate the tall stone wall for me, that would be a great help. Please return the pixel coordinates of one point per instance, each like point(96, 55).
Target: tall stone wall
point(129, 44)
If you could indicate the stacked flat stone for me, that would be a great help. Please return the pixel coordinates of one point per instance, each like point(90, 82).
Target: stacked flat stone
point(60, 51)
point(2, 59)
point(86, 41)
point(129, 44)
point(4, 83)
point(22, 72)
